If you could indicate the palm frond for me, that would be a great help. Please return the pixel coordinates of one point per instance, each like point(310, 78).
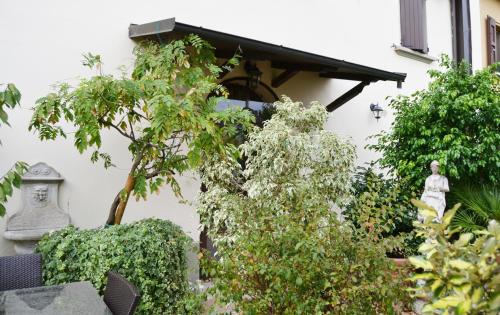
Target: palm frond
point(480, 204)
point(467, 221)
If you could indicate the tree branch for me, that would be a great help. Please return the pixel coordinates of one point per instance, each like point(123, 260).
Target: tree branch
point(117, 129)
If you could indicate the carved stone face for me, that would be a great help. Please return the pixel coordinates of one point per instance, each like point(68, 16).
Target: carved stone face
point(40, 193)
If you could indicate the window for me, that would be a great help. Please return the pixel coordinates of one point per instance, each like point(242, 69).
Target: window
point(255, 97)
point(492, 40)
point(413, 25)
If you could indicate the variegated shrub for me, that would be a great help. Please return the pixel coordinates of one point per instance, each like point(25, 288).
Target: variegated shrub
point(281, 248)
point(459, 274)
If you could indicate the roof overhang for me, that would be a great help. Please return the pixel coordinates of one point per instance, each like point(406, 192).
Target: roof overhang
point(290, 60)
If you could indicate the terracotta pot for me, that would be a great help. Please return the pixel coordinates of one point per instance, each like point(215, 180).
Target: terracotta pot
point(400, 262)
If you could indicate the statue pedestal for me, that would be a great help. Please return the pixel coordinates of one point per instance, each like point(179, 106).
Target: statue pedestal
point(40, 212)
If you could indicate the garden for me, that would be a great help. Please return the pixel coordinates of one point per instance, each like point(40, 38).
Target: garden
point(297, 227)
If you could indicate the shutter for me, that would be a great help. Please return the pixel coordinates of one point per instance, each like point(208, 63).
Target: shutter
point(413, 25)
point(491, 39)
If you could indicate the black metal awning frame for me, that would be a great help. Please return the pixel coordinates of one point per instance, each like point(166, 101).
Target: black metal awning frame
point(291, 61)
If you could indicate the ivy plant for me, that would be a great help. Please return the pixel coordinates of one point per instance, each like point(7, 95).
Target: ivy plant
point(9, 99)
point(455, 121)
point(460, 275)
point(162, 110)
point(280, 246)
point(150, 253)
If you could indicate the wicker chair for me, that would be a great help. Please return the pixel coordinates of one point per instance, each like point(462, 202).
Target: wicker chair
point(120, 295)
point(22, 271)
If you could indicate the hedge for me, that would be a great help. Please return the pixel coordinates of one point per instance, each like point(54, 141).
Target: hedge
point(150, 253)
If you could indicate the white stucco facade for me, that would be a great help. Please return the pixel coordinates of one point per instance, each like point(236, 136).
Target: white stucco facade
point(42, 42)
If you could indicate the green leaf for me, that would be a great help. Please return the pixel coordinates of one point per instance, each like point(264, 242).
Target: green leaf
point(2, 210)
point(3, 197)
point(494, 305)
point(444, 303)
point(423, 276)
point(422, 205)
point(298, 281)
point(420, 262)
point(477, 295)
point(464, 307)
point(460, 264)
point(17, 180)
point(7, 187)
point(448, 216)
point(4, 117)
point(464, 239)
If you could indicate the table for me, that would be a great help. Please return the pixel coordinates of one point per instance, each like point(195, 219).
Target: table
point(66, 299)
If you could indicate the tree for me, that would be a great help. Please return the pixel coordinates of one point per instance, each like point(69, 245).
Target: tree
point(456, 121)
point(162, 110)
point(9, 98)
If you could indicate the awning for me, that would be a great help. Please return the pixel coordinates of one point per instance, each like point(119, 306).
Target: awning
point(291, 61)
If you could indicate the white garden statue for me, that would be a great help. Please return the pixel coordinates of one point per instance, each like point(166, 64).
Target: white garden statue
point(435, 188)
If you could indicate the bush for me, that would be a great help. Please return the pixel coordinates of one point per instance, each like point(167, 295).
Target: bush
point(382, 205)
point(460, 275)
point(281, 248)
point(454, 121)
point(150, 253)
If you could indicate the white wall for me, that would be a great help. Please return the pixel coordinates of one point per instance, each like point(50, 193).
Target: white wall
point(42, 43)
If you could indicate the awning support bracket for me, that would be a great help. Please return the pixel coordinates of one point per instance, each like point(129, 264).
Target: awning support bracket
point(347, 96)
point(283, 77)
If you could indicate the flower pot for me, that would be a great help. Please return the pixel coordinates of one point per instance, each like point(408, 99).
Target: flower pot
point(400, 262)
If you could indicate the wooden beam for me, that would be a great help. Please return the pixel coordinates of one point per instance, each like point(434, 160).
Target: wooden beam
point(283, 77)
point(347, 96)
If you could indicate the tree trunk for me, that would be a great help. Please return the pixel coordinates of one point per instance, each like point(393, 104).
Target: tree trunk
point(129, 185)
point(112, 210)
point(118, 206)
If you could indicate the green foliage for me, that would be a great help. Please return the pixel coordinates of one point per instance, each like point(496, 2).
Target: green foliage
point(162, 110)
point(9, 98)
point(480, 206)
point(281, 248)
point(150, 253)
point(11, 180)
point(460, 276)
point(455, 121)
point(382, 207)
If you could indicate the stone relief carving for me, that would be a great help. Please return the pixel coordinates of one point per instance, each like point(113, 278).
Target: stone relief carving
point(40, 212)
point(39, 194)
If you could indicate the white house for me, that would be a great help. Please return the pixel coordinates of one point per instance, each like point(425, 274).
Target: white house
point(329, 47)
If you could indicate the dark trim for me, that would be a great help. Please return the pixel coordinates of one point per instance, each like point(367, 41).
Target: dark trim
point(284, 76)
point(461, 30)
point(347, 96)
point(347, 76)
point(301, 66)
point(266, 51)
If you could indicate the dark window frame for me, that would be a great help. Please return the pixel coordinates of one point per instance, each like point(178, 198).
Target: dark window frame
point(461, 30)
